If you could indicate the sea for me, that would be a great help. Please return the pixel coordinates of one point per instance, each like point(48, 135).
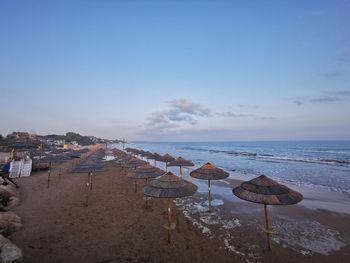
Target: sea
point(320, 170)
point(315, 164)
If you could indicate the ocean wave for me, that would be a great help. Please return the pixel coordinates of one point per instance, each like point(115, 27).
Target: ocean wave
point(271, 157)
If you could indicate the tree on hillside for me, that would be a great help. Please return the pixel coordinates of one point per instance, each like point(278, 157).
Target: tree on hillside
point(82, 140)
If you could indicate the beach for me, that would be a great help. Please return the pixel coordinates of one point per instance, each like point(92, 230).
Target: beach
point(116, 227)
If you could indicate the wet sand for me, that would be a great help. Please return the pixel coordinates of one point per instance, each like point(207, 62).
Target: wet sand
point(116, 227)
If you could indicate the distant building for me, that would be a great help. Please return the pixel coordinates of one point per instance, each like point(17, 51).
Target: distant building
point(71, 145)
point(55, 143)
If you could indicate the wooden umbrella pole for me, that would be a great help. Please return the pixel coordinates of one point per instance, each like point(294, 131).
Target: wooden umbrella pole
point(87, 194)
point(135, 184)
point(166, 167)
point(169, 218)
point(146, 199)
point(180, 171)
point(48, 178)
point(209, 195)
point(90, 180)
point(267, 229)
point(155, 163)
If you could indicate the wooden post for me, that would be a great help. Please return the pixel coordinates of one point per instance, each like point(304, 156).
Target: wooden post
point(169, 219)
point(87, 195)
point(209, 195)
point(90, 180)
point(267, 229)
point(48, 177)
point(166, 167)
point(135, 184)
point(180, 171)
point(146, 199)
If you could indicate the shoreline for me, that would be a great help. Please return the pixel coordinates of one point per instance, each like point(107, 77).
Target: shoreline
point(313, 198)
point(116, 227)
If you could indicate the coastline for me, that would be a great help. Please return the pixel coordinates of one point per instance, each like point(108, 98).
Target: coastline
point(116, 228)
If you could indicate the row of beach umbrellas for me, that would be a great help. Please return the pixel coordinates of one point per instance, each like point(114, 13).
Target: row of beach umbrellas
point(93, 163)
point(163, 184)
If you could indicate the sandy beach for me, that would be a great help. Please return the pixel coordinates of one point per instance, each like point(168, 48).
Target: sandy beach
point(116, 227)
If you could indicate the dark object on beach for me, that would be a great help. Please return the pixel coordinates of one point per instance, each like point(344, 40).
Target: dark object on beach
point(209, 172)
point(266, 191)
point(181, 162)
point(5, 174)
point(169, 186)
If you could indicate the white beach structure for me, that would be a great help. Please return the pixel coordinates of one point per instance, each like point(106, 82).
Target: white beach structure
point(15, 168)
point(26, 168)
point(22, 168)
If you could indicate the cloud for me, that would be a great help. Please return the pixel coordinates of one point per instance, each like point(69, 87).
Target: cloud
point(157, 117)
point(158, 129)
point(326, 97)
point(180, 111)
point(189, 107)
point(230, 114)
point(298, 102)
point(181, 117)
point(339, 93)
point(234, 115)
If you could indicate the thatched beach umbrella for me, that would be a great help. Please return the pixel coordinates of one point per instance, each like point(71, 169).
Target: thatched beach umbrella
point(169, 186)
point(156, 157)
point(146, 172)
point(181, 162)
point(166, 158)
point(123, 159)
point(128, 149)
point(134, 163)
point(266, 191)
point(209, 172)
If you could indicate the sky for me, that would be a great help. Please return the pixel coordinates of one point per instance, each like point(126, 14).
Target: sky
point(195, 70)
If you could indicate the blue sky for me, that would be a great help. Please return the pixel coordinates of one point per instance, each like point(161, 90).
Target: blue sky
point(176, 70)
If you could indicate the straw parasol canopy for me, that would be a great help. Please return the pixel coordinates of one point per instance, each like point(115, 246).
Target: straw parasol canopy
point(128, 149)
point(264, 190)
point(156, 157)
point(209, 172)
point(124, 159)
point(134, 163)
point(166, 158)
point(169, 186)
point(145, 171)
point(181, 162)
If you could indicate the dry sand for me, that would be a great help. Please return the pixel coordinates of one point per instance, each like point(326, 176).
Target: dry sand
point(115, 227)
